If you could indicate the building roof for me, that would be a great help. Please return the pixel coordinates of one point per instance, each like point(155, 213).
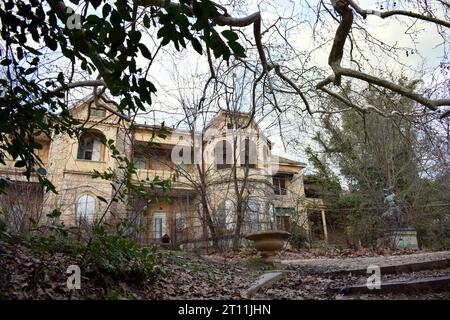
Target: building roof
point(284, 160)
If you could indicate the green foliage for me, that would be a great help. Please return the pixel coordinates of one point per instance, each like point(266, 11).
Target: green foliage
point(105, 41)
point(53, 236)
point(177, 27)
point(260, 264)
point(116, 293)
point(373, 153)
point(123, 179)
point(298, 238)
point(55, 244)
point(53, 226)
point(431, 215)
point(4, 234)
point(122, 258)
point(323, 177)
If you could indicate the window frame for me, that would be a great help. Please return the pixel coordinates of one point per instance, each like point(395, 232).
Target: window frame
point(253, 215)
point(163, 216)
point(246, 154)
point(95, 138)
point(224, 154)
point(280, 188)
point(81, 218)
point(225, 215)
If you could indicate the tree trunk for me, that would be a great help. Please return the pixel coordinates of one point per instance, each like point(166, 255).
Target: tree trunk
point(237, 230)
point(210, 224)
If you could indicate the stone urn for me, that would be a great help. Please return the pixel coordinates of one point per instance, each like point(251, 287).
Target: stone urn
point(268, 241)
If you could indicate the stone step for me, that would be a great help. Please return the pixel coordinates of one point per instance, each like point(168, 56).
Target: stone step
point(264, 281)
point(399, 268)
point(434, 284)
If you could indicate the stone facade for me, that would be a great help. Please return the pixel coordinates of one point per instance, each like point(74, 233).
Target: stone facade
point(231, 153)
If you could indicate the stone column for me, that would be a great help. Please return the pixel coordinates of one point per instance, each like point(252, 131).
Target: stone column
point(324, 223)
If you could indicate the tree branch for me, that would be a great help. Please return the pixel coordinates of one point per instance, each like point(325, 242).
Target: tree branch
point(386, 14)
point(84, 83)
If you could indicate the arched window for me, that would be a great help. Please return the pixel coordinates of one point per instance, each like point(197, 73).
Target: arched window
point(225, 213)
point(90, 146)
point(86, 208)
point(222, 154)
point(253, 219)
point(248, 154)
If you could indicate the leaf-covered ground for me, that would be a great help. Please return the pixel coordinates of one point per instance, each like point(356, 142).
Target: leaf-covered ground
point(28, 273)
point(304, 285)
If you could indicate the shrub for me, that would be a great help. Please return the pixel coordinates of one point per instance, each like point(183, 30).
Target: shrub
point(122, 258)
point(4, 235)
point(260, 264)
point(299, 238)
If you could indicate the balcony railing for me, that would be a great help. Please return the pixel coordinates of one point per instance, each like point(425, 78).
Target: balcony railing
point(150, 174)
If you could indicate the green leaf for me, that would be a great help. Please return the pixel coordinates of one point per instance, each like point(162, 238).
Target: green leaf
point(60, 78)
point(30, 71)
point(19, 53)
point(237, 49)
point(230, 35)
point(6, 62)
point(146, 21)
point(32, 50)
point(197, 46)
point(106, 10)
point(135, 36)
point(145, 52)
point(95, 3)
point(54, 214)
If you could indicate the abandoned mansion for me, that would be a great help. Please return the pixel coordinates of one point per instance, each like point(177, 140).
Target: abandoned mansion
point(225, 166)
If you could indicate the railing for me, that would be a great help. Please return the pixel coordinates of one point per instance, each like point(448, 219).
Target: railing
point(149, 175)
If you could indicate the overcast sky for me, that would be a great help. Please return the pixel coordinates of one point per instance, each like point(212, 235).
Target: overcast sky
point(173, 71)
point(421, 63)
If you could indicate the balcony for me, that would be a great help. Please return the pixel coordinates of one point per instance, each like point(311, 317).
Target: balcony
point(149, 174)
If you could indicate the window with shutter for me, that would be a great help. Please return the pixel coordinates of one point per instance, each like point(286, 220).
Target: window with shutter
point(222, 153)
point(90, 146)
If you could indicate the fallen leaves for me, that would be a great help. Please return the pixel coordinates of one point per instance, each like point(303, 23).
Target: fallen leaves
point(29, 274)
